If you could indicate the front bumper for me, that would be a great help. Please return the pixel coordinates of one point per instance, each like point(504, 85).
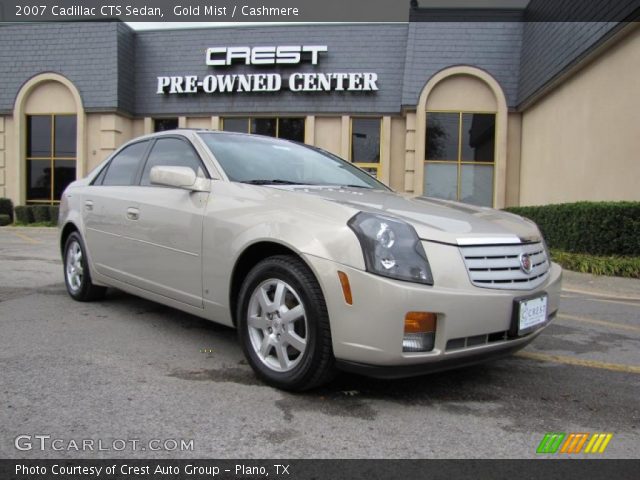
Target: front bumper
point(472, 322)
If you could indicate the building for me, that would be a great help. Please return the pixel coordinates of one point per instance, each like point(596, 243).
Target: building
point(496, 112)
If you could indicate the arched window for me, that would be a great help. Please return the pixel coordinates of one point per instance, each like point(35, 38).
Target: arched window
point(460, 149)
point(49, 131)
point(51, 156)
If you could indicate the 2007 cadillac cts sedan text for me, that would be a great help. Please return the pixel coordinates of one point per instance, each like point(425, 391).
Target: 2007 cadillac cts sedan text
point(318, 265)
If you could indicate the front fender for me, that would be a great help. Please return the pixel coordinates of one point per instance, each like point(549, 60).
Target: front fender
point(239, 216)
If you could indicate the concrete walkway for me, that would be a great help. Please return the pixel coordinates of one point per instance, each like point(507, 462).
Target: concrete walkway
point(614, 287)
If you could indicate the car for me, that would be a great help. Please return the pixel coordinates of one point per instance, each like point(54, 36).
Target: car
point(318, 265)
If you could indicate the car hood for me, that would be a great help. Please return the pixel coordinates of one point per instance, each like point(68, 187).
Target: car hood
point(434, 219)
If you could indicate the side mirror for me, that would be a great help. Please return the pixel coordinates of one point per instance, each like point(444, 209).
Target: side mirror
point(178, 177)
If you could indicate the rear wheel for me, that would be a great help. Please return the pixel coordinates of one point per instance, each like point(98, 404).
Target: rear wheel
point(76, 271)
point(283, 325)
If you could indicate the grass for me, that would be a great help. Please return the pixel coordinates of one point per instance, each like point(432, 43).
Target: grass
point(611, 266)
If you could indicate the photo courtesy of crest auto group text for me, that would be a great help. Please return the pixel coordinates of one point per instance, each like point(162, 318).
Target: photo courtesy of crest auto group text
point(251, 239)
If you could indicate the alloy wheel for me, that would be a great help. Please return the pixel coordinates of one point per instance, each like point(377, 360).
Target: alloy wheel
point(277, 324)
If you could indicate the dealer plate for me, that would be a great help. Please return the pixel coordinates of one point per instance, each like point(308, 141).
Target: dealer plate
point(532, 313)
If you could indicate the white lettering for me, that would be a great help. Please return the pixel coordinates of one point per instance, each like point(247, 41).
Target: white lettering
point(215, 62)
point(22, 445)
point(244, 83)
point(242, 53)
point(294, 84)
point(163, 82)
point(288, 54)
point(314, 49)
point(264, 55)
point(191, 84)
point(268, 82)
point(209, 84)
point(176, 85)
point(370, 80)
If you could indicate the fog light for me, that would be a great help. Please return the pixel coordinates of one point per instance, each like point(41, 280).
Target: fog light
point(419, 332)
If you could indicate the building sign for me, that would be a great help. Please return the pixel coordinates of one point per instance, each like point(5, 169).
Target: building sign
point(220, 57)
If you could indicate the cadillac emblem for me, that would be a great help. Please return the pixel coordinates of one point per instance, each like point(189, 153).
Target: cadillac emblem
point(525, 263)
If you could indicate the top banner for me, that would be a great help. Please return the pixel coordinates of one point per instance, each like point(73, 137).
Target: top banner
point(319, 11)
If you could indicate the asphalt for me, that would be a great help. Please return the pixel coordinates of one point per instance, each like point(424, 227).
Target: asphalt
point(126, 368)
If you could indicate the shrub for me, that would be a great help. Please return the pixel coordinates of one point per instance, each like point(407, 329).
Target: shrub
point(40, 213)
point(24, 214)
point(4, 219)
point(54, 210)
point(596, 228)
point(6, 207)
point(611, 266)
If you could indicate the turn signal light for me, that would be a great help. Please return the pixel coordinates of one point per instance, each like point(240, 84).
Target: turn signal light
point(420, 322)
point(419, 332)
point(346, 287)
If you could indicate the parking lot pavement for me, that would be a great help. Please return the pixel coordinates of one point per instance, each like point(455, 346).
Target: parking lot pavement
point(126, 368)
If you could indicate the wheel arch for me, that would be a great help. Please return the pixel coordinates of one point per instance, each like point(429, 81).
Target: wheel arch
point(249, 258)
point(67, 230)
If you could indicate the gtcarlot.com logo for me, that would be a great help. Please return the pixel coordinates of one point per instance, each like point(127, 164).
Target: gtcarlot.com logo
point(47, 442)
point(574, 443)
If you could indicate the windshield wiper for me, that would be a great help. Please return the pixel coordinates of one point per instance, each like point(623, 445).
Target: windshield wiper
point(366, 187)
point(275, 181)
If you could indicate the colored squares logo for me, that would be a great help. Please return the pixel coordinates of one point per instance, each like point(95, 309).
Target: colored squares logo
point(574, 443)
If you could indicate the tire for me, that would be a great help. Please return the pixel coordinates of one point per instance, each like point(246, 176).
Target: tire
point(283, 325)
point(77, 277)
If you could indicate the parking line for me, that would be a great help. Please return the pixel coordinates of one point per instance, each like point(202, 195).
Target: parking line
point(622, 326)
point(26, 238)
point(614, 367)
point(594, 293)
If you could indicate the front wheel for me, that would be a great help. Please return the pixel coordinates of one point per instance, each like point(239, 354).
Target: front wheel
point(76, 271)
point(283, 325)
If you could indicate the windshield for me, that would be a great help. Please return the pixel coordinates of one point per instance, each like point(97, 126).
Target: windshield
point(269, 161)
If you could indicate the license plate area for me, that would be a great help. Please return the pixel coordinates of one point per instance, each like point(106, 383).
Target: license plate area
point(529, 314)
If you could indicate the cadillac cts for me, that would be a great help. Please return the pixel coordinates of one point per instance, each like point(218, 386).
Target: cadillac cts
point(318, 265)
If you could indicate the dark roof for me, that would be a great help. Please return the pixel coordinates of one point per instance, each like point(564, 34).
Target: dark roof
point(115, 68)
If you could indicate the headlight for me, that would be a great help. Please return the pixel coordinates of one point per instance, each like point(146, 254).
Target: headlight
point(391, 248)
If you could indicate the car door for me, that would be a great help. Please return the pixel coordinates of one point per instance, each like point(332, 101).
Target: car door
point(163, 227)
point(104, 210)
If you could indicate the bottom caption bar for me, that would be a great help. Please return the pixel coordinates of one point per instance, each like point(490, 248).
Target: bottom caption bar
point(200, 469)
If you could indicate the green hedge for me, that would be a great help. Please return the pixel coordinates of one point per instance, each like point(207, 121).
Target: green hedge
point(611, 265)
point(596, 228)
point(24, 214)
point(4, 219)
point(40, 213)
point(6, 208)
point(37, 215)
point(54, 211)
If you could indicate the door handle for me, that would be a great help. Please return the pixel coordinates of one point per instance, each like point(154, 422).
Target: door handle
point(88, 205)
point(133, 213)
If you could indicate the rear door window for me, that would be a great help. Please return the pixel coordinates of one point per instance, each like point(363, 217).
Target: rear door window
point(123, 167)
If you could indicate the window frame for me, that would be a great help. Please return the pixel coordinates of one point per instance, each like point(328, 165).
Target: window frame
point(250, 118)
point(459, 162)
point(51, 158)
point(155, 119)
point(366, 165)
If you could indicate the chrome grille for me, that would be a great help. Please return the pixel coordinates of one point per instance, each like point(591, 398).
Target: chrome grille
point(498, 266)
